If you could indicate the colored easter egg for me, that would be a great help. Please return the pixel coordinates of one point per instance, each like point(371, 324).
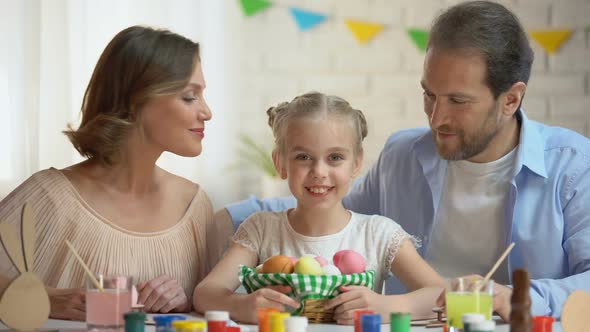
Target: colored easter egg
point(337, 256)
point(331, 270)
point(350, 262)
point(278, 264)
point(321, 260)
point(308, 265)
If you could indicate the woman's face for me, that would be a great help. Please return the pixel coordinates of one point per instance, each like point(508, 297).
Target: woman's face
point(176, 123)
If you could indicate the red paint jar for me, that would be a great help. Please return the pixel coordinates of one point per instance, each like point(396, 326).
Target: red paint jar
point(217, 321)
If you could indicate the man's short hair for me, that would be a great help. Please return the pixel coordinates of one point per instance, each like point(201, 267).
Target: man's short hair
point(491, 30)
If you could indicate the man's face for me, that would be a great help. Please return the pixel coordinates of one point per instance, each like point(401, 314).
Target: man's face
point(463, 115)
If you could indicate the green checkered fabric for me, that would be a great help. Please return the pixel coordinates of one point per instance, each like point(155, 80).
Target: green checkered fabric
point(304, 286)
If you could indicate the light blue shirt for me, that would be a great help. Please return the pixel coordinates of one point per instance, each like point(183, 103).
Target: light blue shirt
point(547, 213)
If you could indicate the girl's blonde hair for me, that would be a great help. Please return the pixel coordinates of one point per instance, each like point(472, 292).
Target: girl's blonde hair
point(315, 104)
point(138, 64)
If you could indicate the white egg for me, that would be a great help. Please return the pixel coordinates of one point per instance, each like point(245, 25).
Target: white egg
point(331, 270)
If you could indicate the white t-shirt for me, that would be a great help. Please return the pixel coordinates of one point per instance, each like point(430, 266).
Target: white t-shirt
point(469, 234)
point(377, 238)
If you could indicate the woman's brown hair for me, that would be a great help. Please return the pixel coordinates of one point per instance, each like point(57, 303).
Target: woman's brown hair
point(138, 64)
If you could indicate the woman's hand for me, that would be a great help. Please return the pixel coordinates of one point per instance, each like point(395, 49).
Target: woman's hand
point(162, 294)
point(355, 298)
point(265, 298)
point(69, 303)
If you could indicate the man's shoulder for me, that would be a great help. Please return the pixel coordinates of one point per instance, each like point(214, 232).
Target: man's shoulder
point(563, 138)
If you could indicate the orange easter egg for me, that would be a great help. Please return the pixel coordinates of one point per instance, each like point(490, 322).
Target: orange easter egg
point(278, 264)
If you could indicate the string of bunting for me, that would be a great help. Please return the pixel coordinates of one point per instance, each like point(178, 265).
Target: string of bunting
point(364, 31)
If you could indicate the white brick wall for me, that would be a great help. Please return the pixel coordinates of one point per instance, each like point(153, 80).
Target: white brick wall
point(277, 62)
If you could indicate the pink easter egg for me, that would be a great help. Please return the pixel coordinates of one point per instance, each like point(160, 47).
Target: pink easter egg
point(294, 260)
point(321, 260)
point(350, 262)
point(337, 256)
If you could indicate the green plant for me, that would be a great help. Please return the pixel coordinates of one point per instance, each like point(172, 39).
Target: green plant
point(257, 155)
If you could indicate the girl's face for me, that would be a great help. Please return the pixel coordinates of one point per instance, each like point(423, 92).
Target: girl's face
point(176, 123)
point(319, 160)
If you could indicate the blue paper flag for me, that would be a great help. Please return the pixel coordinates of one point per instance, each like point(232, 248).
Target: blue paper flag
point(306, 19)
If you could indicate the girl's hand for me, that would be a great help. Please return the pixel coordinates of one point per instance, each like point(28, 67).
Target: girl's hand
point(355, 298)
point(162, 294)
point(265, 298)
point(280, 289)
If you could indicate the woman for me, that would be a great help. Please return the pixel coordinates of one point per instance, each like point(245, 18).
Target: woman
point(123, 213)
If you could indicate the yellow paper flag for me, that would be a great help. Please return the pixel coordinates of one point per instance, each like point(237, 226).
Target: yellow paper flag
point(364, 31)
point(551, 40)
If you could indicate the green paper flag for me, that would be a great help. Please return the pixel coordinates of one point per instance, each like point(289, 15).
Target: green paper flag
point(420, 38)
point(588, 28)
point(251, 7)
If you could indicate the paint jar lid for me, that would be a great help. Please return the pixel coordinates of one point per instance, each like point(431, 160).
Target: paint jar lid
point(472, 318)
point(293, 324)
point(217, 316)
point(166, 320)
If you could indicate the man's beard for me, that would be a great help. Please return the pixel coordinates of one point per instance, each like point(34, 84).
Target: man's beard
point(469, 145)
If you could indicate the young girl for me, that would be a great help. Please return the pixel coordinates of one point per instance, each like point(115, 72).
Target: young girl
point(319, 151)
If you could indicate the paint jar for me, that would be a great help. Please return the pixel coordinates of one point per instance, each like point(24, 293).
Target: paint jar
point(164, 322)
point(485, 326)
point(357, 318)
point(371, 323)
point(543, 323)
point(471, 318)
point(263, 318)
point(194, 326)
point(216, 320)
point(277, 321)
point(296, 324)
point(399, 322)
point(134, 321)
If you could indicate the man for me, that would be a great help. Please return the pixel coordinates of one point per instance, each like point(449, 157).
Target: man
point(484, 175)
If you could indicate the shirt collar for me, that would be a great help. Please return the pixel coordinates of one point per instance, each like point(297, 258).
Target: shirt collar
point(531, 150)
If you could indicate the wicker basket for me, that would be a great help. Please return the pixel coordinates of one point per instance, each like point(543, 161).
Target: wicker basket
point(314, 310)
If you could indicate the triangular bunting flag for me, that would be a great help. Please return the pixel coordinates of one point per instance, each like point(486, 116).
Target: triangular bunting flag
point(420, 38)
point(306, 19)
point(551, 40)
point(364, 31)
point(251, 7)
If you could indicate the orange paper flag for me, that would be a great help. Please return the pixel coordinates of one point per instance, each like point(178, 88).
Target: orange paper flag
point(364, 31)
point(551, 40)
